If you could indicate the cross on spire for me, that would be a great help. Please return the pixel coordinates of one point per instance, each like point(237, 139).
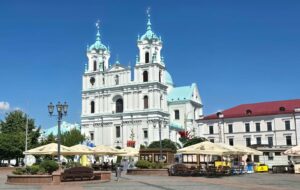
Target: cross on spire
point(98, 24)
point(149, 22)
point(98, 28)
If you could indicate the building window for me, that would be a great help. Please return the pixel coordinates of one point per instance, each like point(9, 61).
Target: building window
point(231, 142)
point(270, 141)
point(161, 101)
point(92, 81)
point(269, 125)
point(211, 129)
point(287, 125)
point(145, 76)
point(257, 127)
point(119, 105)
point(258, 140)
point(277, 153)
point(95, 66)
point(118, 131)
point(92, 136)
point(248, 142)
point(147, 57)
point(145, 134)
point(288, 140)
point(176, 112)
point(103, 81)
point(146, 102)
point(117, 79)
point(92, 107)
point(247, 127)
point(212, 140)
point(230, 129)
point(159, 76)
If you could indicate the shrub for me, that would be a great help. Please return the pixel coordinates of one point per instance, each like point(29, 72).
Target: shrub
point(29, 170)
point(19, 171)
point(49, 165)
point(157, 165)
point(41, 171)
point(72, 164)
point(32, 169)
point(144, 164)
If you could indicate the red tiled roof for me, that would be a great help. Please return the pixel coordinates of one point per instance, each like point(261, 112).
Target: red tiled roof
point(259, 109)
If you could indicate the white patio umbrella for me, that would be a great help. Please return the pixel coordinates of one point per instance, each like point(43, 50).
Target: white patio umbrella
point(207, 148)
point(82, 149)
point(233, 149)
point(248, 151)
point(294, 151)
point(107, 150)
point(130, 152)
point(50, 149)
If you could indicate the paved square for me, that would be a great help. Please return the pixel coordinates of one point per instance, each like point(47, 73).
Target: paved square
point(263, 181)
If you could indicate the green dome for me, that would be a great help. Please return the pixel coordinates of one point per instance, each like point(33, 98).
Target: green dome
point(149, 35)
point(98, 44)
point(168, 78)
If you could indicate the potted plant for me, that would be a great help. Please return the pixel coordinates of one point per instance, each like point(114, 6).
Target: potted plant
point(131, 142)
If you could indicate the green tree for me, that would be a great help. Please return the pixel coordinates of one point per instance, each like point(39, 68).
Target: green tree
point(166, 143)
point(50, 139)
point(12, 135)
point(194, 140)
point(72, 137)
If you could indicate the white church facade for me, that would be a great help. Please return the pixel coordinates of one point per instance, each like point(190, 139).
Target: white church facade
point(118, 109)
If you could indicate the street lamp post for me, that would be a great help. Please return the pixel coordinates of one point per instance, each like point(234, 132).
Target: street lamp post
point(160, 145)
point(62, 110)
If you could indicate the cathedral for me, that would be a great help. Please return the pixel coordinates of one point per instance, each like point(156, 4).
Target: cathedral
point(120, 111)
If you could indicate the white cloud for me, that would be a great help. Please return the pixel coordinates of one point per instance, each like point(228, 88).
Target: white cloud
point(4, 106)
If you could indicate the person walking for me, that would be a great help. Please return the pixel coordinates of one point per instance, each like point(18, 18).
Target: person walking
point(118, 172)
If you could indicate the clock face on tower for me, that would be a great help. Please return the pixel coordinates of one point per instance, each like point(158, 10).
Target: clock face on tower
point(92, 80)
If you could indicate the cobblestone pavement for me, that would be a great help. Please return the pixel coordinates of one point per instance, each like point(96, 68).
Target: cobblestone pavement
point(249, 181)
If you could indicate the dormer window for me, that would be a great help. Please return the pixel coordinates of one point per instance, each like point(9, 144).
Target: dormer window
point(282, 108)
point(147, 57)
point(248, 112)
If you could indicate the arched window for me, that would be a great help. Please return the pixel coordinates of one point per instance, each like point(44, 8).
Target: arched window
point(145, 76)
point(92, 107)
point(159, 76)
point(147, 57)
point(92, 81)
point(117, 79)
point(146, 104)
point(119, 105)
point(95, 65)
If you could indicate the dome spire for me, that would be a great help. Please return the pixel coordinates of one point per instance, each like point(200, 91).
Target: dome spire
point(149, 19)
point(98, 31)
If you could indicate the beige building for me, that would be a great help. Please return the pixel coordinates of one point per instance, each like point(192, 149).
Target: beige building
point(271, 127)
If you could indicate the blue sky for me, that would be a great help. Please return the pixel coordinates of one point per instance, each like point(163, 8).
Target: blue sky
point(236, 51)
